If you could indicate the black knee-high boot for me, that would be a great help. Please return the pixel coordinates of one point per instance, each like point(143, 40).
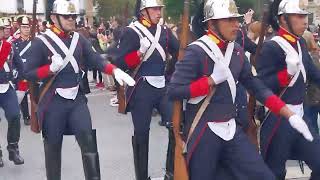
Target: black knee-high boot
point(170, 154)
point(52, 153)
point(90, 155)
point(13, 137)
point(140, 147)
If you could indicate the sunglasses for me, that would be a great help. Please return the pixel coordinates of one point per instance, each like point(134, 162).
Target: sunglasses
point(72, 16)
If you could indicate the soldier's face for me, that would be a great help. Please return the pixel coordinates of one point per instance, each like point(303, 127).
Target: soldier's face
point(154, 14)
point(7, 32)
point(25, 30)
point(228, 28)
point(68, 22)
point(299, 23)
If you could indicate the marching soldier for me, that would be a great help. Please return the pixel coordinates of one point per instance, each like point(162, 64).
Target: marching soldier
point(285, 65)
point(56, 59)
point(9, 58)
point(22, 45)
point(215, 63)
point(143, 48)
point(8, 34)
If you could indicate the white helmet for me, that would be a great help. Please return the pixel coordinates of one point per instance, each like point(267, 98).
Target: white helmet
point(150, 4)
point(24, 21)
point(6, 22)
point(220, 9)
point(292, 7)
point(65, 7)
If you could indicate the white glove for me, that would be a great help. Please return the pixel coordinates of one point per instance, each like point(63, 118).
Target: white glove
point(56, 63)
point(220, 73)
point(144, 45)
point(292, 64)
point(122, 77)
point(300, 125)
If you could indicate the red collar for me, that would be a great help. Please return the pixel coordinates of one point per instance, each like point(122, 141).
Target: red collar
point(291, 38)
point(59, 32)
point(215, 38)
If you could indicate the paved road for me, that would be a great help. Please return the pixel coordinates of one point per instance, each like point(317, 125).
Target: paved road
point(114, 143)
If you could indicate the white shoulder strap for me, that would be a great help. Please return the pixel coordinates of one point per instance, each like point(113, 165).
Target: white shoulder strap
point(153, 39)
point(24, 50)
point(68, 52)
point(288, 49)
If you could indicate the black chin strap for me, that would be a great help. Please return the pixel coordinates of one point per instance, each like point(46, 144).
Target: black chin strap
point(60, 24)
point(286, 18)
point(217, 30)
point(148, 14)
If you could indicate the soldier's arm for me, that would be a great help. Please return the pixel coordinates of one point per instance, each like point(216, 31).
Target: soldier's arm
point(256, 87)
point(17, 61)
point(128, 56)
point(188, 80)
point(271, 67)
point(37, 66)
point(93, 58)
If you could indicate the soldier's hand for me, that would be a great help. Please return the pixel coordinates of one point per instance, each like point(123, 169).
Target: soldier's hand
point(56, 63)
point(144, 45)
point(300, 125)
point(123, 77)
point(220, 73)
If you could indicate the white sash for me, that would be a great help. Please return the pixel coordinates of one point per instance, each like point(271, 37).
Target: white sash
point(288, 49)
point(24, 50)
point(136, 26)
point(215, 54)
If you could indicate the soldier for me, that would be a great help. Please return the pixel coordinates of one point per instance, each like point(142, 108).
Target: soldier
point(216, 62)
point(10, 58)
point(285, 65)
point(8, 34)
point(56, 59)
point(146, 43)
point(22, 45)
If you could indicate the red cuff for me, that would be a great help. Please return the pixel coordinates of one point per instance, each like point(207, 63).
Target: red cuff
point(108, 68)
point(283, 78)
point(43, 71)
point(199, 87)
point(23, 85)
point(274, 103)
point(132, 59)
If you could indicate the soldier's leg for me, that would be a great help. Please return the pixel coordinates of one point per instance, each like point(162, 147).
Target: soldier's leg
point(25, 110)
point(205, 157)
point(309, 152)
point(243, 160)
point(80, 124)
point(279, 150)
point(165, 108)
point(53, 126)
point(12, 113)
point(141, 111)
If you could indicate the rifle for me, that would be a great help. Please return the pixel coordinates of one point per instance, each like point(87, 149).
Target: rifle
point(180, 165)
point(252, 130)
point(34, 124)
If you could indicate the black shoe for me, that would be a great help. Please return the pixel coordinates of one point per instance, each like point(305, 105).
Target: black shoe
point(14, 154)
point(26, 120)
point(1, 161)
